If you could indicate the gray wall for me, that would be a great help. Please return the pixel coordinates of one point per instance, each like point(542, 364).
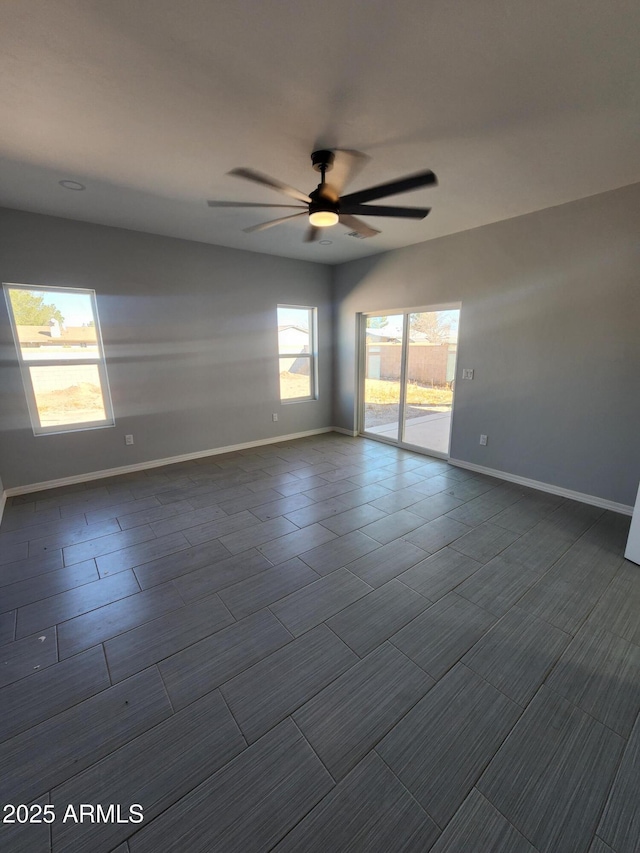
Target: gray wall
point(550, 323)
point(190, 337)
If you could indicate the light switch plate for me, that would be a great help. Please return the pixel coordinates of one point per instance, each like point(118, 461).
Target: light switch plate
point(467, 373)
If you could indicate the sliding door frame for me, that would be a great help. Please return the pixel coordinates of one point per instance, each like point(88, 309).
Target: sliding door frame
point(361, 321)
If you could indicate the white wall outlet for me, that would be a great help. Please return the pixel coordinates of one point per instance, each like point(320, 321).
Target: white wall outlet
point(483, 440)
point(467, 373)
point(274, 417)
point(128, 439)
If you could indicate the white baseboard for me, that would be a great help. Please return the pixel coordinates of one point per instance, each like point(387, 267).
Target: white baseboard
point(155, 463)
point(352, 432)
point(3, 501)
point(593, 500)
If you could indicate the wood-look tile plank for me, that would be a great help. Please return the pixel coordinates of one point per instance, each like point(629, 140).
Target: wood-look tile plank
point(600, 673)
point(220, 527)
point(105, 622)
point(185, 520)
point(247, 806)
point(53, 751)
point(221, 574)
point(393, 526)
point(551, 776)
point(27, 656)
point(440, 748)
point(372, 619)
point(538, 549)
point(314, 603)
point(484, 542)
point(618, 608)
point(522, 516)
point(27, 837)
point(106, 544)
point(136, 555)
point(7, 627)
point(18, 571)
point(311, 513)
point(370, 810)
point(477, 825)
point(434, 535)
point(257, 534)
point(386, 562)
point(517, 654)
point(392, 502)
point(249, 500)
point(482, 508)
point(153, 641)
point(18, 517)
point(599, 846)
point(440, 573)
point(294, 544)
point(262, 696)
point(335, 554)
point(346, 719)
point(352, 519)
point(280, 506)
point(267, 587)
point(435, 505)
point(619, 825)
point(121, 510)
point(157, 514)
point(469, 488)
point(331, 490)
point(48, 692)
point(42, 586)
point(155, 770)
point(207, 664)
point(72, 535)
point(40, 530)
point(569, 591)
point(73, 602)
point(12, 552)
point(439, 637)
point(181, 563)
point(498, 585)
point(363, 495)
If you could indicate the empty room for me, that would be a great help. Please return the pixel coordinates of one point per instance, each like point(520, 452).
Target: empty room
point(319, 426)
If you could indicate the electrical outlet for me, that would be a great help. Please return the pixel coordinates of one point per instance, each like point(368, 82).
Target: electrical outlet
point(128, 439)
point(483, 440)
point(467, 373)
point(274, 417)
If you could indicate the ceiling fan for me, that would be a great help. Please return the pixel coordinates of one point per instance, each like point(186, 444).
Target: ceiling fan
point(325, 206)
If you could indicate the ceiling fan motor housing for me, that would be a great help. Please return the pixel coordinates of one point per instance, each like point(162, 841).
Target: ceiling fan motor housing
point(323, 160)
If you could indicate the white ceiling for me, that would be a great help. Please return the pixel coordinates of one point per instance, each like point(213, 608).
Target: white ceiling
point(516, 105)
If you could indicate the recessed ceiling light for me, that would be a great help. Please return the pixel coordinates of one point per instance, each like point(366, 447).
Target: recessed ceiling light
point(325, 242)
point(72, 185)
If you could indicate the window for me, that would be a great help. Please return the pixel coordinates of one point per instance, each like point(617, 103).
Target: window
point(297, 353)
point(57, 337)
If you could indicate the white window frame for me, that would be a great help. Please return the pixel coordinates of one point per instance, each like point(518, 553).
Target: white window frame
point(312, 355)
point(98, 360)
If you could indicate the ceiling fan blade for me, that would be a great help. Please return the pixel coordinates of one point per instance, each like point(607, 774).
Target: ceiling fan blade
point(347, 165)
point(273, 222)
point(403, 185)
point(250, 204)
point(378, 210)
point(312, 234)
point(265, 180)
point(358, 225)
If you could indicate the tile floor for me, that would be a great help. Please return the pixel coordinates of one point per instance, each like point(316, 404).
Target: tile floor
point(321, 645)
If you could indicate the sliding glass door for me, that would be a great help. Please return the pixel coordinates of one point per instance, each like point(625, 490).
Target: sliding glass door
point(407, 382)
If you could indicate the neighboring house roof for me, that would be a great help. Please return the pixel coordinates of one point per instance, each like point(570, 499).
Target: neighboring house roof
point(42, 335)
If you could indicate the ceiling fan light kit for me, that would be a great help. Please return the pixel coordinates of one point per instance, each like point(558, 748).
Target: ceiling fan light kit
point(325, 207)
